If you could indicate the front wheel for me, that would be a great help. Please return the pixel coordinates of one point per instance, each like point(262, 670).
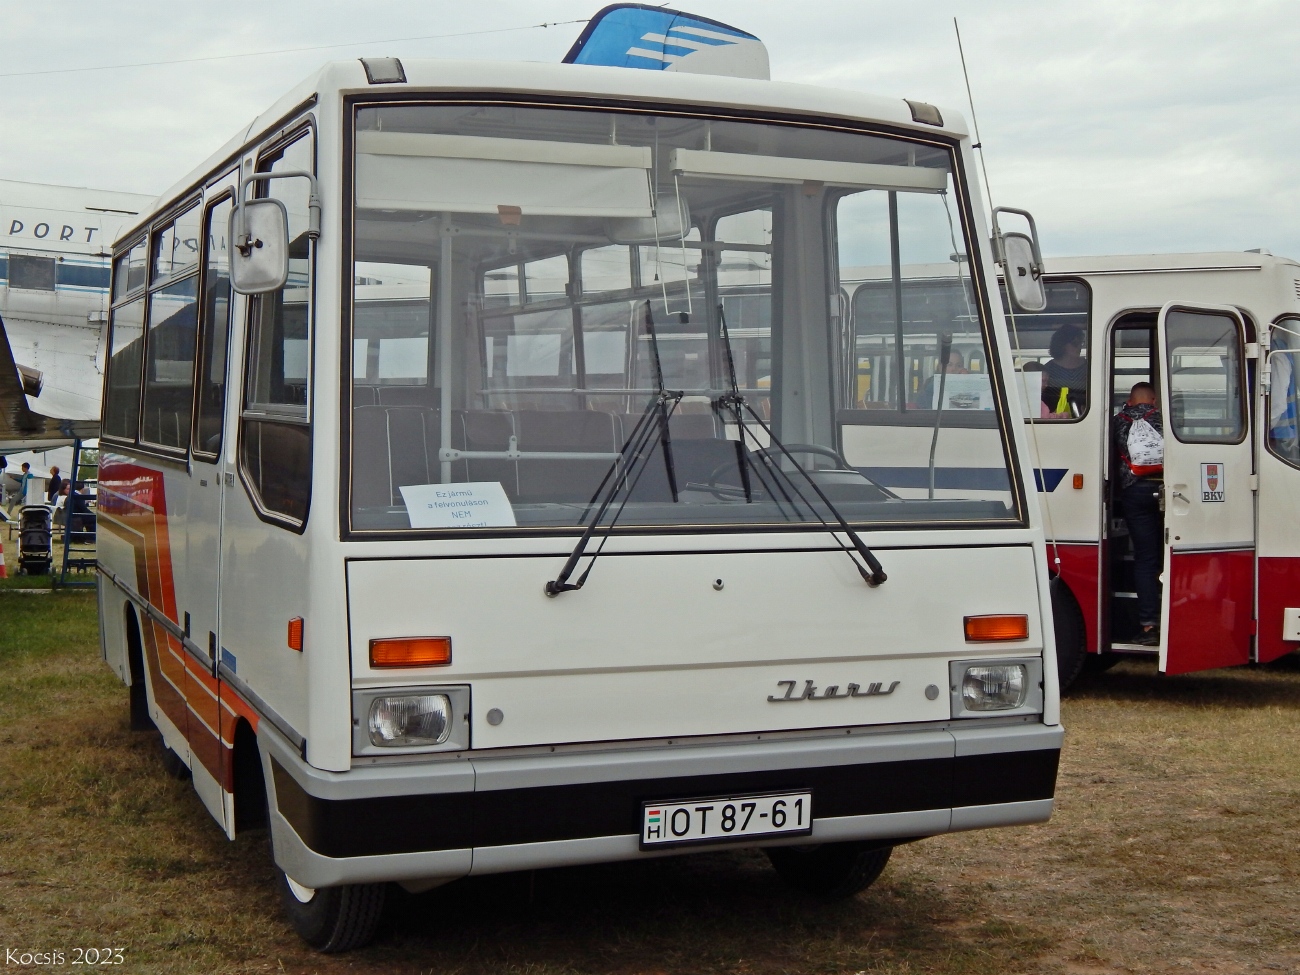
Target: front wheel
point(332, 919)
point(831, 871)
point(1071, 633)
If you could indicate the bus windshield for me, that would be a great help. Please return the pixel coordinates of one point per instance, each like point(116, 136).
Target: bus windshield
point(525, 278)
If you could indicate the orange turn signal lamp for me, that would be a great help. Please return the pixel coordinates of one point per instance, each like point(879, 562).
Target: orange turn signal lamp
point(416, 651)
point(996, 629)
point(295, 634)
point(1078, 482)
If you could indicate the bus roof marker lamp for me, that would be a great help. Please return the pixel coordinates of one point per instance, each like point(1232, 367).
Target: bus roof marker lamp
point(384, 71)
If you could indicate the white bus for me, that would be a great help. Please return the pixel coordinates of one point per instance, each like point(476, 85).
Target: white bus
point(1218, 335)
point(490, 321)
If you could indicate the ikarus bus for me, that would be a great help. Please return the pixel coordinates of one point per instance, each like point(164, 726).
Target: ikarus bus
point(492, 490)
point(1218, 336)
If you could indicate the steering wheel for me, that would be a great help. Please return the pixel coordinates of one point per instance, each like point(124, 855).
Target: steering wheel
point(776, 453)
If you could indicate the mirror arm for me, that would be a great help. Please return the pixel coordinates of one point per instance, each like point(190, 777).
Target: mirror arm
point(313, 202)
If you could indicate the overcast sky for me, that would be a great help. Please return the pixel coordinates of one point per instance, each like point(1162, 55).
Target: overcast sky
point(1124, 125)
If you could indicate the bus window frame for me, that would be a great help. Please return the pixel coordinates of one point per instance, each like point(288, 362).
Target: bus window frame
point(192, 200)
point(1013, 345)
point(1243, 376)
point(971, 226)
point(1263, 418)
point(145, 291)
point(276, 141)
point(116, 304)
point(224, 187)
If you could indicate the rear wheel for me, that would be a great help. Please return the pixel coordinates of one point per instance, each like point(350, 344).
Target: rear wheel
point(831, 871)
point(1071, 634)
point(332, 919)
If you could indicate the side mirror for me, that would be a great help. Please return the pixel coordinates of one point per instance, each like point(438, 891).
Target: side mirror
point(1021, 262)
point(259, 260)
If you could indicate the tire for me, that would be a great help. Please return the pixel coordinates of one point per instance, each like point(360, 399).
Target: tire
point(1099, 663)
point(333, 919)
point(1071, 634)
point(830, 871)
point(141, 720)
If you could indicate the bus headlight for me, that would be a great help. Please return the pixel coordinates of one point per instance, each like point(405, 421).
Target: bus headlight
point(423, 719)
point(992, 687)
point(402, 720)
point(1001, 687)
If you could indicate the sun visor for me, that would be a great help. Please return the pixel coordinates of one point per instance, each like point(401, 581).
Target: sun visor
point(472, 174)
point(824, 172)
point(633, 35)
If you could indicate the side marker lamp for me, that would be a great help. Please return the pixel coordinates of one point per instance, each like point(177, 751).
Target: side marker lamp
point(295, 634)
point(994, 687)
point(996, 629)
point(421, 651)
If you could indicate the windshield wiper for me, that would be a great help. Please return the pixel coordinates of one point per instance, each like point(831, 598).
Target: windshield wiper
point(872, 573)
point(625, 473)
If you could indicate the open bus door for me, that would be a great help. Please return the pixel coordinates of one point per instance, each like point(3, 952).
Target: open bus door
point(1278, 569)
point(1207, 603)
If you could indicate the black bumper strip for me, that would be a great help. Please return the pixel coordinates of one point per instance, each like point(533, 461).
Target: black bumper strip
point(449, 821)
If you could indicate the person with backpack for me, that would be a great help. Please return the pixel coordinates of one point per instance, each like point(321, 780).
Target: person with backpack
point(1139, 440)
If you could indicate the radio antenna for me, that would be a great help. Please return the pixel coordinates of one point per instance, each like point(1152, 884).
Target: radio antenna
point(970, 100)
point(1040, 473)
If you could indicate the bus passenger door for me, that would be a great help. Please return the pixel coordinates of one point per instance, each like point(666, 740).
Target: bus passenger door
point(1207, 604)
point(1278, 568)
point(207, 466)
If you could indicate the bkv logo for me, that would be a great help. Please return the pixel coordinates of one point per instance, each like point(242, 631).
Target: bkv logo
point(809, 692)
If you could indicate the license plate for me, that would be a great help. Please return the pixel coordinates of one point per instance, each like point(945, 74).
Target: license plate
point(711, 820)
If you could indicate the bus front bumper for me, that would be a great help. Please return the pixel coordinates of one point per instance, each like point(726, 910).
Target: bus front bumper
point(426, 823)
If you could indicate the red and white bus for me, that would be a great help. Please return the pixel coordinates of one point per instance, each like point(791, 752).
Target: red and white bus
point(1218, 335)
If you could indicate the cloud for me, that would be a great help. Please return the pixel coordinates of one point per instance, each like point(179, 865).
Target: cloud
point(1124, 126)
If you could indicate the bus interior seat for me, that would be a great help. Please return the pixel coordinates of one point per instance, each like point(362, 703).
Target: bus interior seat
point(568, 479)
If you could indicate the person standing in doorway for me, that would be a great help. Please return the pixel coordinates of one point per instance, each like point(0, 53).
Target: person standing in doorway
point(1139, 440)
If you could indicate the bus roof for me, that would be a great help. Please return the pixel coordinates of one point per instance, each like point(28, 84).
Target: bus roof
point(654, 88)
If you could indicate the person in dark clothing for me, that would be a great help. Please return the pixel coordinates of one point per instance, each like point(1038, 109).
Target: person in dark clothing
point(52, 489)
point(1140, 488)
point(1065, 377)
point(78, 509)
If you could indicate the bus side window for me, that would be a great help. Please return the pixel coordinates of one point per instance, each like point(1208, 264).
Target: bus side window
point(215, 331)
point(1283, 363)
point(1205, 378)
point(122, 388)
point(275, 430)
point(169, 343)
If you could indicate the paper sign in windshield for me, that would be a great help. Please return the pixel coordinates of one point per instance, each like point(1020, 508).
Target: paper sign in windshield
point(477, 504)
point(969, 391)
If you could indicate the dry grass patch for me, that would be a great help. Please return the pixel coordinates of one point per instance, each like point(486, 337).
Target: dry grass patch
point(1172, 851)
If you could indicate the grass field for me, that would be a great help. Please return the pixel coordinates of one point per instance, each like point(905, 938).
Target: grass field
point(1173, 850)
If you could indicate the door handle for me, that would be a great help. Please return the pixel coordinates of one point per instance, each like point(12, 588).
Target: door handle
point(1180, 495)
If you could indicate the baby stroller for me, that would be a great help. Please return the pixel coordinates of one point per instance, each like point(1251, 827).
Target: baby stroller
point(35, 549)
